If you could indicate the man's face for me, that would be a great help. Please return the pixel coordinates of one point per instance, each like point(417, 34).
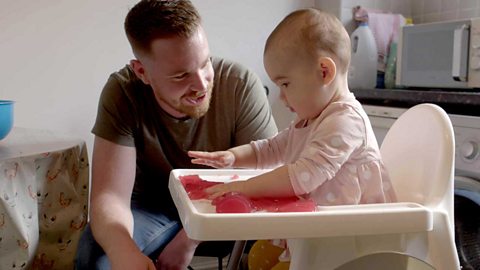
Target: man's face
point(180, 73)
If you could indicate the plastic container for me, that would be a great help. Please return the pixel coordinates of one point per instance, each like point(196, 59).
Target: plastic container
point(362, 73)
point(6, 117)
point(391, 67)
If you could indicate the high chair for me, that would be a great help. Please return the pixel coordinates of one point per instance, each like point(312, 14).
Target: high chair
point(418, 152)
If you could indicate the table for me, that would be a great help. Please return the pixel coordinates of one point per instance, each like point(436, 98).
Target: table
point(44, 184)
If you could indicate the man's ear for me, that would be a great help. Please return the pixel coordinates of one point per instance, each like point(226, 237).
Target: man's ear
point(139, 70)
point(328, 69)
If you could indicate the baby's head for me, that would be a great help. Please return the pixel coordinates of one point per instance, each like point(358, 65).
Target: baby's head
point(308, 53)
point(311, 33)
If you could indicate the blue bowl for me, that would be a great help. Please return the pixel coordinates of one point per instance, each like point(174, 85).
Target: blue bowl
point(6, 117)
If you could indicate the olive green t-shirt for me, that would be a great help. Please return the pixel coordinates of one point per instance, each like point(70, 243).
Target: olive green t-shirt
point(129, 115)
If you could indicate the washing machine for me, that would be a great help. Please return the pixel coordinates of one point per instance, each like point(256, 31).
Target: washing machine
point(467, 177)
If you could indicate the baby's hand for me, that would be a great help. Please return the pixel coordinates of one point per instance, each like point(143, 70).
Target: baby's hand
point(220, 190)
point(219, 159)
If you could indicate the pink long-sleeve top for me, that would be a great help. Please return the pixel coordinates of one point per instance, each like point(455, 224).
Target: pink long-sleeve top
point(334, 160)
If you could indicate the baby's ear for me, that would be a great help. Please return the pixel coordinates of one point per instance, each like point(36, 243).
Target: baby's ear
point(327, 69)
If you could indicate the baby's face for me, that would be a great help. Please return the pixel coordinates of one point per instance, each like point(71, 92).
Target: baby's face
point(299, 79)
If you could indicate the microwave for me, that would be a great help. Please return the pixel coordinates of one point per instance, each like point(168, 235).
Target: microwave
point(439, 55)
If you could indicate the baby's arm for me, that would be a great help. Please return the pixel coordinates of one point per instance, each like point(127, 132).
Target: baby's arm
point(242, 156)
point(274, 184)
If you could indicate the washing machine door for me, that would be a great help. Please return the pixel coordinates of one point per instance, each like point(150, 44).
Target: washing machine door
point(467, 221)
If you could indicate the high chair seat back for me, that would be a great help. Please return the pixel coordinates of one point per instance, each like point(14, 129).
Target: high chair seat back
point(418, 152)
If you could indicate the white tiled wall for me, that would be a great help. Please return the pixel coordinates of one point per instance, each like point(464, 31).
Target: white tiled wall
point(424, 11)
point(421, 11)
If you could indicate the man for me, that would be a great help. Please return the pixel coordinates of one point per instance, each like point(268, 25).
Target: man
point(172, 98)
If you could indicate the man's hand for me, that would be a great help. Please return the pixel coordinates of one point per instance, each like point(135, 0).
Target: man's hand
point(218, 159)
point(178, 254)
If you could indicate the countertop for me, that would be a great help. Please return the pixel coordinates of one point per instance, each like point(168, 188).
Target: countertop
point(464, 102)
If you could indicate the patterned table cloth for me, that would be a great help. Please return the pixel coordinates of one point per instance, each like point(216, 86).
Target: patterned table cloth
point(44, 184)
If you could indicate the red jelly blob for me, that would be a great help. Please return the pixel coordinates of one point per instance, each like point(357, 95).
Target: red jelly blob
point(300, 205)
point(233, 203)
point(287, 204)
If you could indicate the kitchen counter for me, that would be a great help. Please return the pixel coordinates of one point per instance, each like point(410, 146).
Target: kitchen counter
point(454, 102)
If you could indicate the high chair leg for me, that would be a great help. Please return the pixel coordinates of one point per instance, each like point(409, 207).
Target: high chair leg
point(236, 255)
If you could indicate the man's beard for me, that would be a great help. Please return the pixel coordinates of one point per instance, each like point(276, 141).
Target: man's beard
point(197, 111)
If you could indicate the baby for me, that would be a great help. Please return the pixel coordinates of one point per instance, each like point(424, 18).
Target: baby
point(329, 153)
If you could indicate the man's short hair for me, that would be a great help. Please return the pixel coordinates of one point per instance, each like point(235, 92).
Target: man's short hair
point(152, 19)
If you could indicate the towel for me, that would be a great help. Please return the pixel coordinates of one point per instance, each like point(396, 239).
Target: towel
point(385, 28)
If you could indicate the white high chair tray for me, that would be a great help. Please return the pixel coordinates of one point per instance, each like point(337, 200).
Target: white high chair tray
point(201, 222)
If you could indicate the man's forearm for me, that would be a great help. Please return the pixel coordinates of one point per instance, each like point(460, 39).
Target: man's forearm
point(112, 227)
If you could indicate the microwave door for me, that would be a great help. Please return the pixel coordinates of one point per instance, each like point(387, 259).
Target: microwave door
point(427, 52)
point(460, 53)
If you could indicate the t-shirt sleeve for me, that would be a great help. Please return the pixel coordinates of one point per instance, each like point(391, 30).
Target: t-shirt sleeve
point(254, 118)
point(332, 143)
point(114, 120)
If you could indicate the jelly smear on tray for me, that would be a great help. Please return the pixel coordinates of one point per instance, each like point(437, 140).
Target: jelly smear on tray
point(234, 202)
point(195, 186)
point(288, 204)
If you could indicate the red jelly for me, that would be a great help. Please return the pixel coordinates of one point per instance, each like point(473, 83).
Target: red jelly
point(195, 186)
point(287, 204)
point(300, 205)
point(233, 203)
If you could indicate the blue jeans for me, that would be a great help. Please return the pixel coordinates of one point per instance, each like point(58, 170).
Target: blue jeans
point(151, 233)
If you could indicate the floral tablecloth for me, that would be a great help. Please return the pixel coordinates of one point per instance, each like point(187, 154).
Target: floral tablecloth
point(44, 184)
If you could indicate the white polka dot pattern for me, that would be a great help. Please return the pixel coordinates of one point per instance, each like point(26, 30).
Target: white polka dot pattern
point(305, 177)
point(336, 141)
point(367, 174)
point(331, 197)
